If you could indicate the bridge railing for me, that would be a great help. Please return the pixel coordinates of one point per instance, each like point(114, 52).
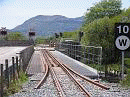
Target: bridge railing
point(85, 54)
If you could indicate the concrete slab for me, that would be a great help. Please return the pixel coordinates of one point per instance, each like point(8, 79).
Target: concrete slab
point(35, 64)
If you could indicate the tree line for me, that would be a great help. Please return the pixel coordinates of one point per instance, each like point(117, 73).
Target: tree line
point(98, 27)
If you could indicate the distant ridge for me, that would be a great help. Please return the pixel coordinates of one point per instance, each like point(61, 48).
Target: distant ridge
point(48, 25)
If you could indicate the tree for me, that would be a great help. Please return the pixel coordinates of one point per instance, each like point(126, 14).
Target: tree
point(104, 8)
point(99, 26)
point(40, 40)
point(15, 36)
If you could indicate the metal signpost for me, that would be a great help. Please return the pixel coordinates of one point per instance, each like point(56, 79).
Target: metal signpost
point(32, 36)
point(122, 39)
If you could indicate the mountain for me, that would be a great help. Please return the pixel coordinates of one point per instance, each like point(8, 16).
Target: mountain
point(48, 25)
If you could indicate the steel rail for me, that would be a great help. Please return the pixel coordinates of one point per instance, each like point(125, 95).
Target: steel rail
point(88, 79)
point(46, 73)
point(84, 77)
point(57, 83)
point(77, 82)
point(87, 94)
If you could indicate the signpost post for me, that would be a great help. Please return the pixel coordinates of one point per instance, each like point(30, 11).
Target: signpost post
point(122, 64)
point(122, 39)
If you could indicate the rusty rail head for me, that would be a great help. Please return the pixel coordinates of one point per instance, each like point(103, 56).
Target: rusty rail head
point(54, 60)
point(57, 83)
point(88, 79)
point(45, 76)
point(43, 79)
point(69, 74)
point(84, 77)
point(81, 86)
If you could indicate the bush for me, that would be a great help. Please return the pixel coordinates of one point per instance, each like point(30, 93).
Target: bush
point(73, 35)
point(40, 40)
point(15, 86)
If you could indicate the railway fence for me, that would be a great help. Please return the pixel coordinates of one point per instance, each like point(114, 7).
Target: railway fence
point(85, 54)
point(11, 72)
point(103, 59)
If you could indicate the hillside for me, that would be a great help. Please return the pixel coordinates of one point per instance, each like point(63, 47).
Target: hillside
point(48, 25)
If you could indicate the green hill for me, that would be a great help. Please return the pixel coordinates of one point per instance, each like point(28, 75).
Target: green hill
point(48, 25)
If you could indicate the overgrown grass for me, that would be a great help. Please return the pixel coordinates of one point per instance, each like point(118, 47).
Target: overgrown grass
point(126, 81)
point(116, 68)
point(111, 67)
point(15, 86)
point(127, 62)
point(96, 66)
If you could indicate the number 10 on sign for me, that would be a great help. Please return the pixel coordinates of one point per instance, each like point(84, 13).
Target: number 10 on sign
point(122, 42)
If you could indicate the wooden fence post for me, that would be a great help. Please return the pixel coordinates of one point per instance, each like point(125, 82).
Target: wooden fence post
point(20, 62)
point(13, 69)
point(22, 59)
point(75, 51)
point(7, 73)
point(17, 67)
point(1, 80)
point(93, 52)
point(89, 55)
point(84, 55)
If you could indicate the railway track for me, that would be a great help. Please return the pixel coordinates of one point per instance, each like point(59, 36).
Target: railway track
point(54, 65)
point(46, 74)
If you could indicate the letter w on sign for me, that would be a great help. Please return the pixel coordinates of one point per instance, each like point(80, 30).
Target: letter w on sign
point(122, 42)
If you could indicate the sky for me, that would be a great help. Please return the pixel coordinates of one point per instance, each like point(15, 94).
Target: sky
point(16, 12)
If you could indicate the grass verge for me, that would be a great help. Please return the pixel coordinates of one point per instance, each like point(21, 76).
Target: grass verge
point(15, 86)
point(126, 81)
